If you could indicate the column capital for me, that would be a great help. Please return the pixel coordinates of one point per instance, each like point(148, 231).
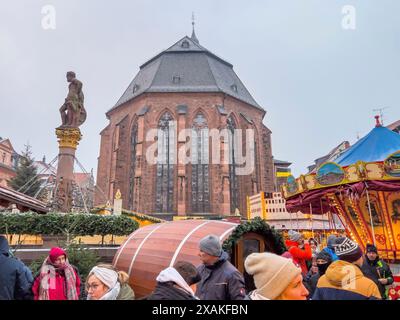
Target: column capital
point(68, 137)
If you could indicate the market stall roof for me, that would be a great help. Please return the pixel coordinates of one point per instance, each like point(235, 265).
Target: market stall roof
point(23, 201)
point(375, 146)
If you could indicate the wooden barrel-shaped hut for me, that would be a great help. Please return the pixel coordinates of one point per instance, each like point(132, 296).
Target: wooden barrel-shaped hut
point(153, 248)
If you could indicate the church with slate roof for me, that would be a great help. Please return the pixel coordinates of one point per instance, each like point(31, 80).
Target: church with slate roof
point(184, 87)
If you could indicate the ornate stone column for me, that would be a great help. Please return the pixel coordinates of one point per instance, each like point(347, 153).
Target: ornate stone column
point(68, 139)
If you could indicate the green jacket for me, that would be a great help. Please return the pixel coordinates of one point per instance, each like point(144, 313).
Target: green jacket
point(126, 293)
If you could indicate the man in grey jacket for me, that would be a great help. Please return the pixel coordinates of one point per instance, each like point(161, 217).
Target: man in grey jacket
point(220, 280)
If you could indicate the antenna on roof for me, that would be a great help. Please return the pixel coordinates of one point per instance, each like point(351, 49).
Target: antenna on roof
point(193, 37)
point(380, 110)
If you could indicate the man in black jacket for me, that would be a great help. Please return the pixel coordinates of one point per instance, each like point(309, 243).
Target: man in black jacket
point(220, 280)
point(377, 270)
point(175, 283)
point(14, 284)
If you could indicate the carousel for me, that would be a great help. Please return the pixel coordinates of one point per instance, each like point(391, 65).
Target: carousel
point(362, 188)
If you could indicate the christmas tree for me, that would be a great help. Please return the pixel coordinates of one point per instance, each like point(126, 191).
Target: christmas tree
point(26, 179)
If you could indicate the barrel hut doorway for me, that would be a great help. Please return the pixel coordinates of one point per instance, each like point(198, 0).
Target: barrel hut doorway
point(153, 248)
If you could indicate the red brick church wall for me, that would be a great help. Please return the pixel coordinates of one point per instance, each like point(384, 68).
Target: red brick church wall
point(114, 159)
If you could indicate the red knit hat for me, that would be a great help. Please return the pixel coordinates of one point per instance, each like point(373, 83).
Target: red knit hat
point(55, 253)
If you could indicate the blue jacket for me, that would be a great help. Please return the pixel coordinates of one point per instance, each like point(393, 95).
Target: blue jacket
point(14, 283)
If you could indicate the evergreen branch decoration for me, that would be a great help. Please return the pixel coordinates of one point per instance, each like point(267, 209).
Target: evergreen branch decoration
point(142, 217)
point(55, 224)
point(259, 226)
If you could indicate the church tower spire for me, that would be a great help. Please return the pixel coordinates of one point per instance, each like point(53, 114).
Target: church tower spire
point(193, 37)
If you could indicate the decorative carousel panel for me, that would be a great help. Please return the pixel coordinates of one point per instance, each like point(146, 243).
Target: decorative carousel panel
point(299, 185)
point(302, 180)
point(378, 221)
point(374, 171)
point(352, 174)
point(330, 174)
point(284, 191)
point(393, 207)
point(392, 165)
point(356, 218)
point(292, 186)
point(311, 183)
point(387, 221)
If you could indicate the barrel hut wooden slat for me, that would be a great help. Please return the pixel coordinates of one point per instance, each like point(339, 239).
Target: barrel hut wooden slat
point(153, 248)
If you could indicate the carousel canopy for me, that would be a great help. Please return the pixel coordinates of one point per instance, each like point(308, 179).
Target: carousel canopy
point(373, 163)
point(362, 188)
point(375, 146)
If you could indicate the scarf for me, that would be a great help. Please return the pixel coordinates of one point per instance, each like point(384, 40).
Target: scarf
point(48, 279)
point(322, 268)
point(111, 294)
point(256, 296)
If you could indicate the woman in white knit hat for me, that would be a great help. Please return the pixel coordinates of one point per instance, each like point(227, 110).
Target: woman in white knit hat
point(275, 278)
point(106, 283)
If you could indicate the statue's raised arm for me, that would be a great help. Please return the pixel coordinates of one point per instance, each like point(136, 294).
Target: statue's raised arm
point(73, 113)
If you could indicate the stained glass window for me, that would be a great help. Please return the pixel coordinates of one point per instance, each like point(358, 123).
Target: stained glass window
point(200, 165)
point(165, 164)
point(233, 179)
point(132, 168)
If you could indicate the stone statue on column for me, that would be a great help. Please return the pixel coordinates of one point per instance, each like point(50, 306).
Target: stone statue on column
point(73, 115)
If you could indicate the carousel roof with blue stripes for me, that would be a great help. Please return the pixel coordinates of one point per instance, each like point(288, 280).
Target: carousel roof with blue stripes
point(377, 145)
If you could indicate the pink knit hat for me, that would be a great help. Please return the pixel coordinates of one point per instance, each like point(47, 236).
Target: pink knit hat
point(55, 253)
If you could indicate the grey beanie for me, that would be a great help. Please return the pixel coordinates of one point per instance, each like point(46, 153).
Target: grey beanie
point(210, 244)
point(294, 235)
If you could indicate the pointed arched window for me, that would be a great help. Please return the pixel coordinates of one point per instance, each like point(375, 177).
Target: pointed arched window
point(132, 181)
point(165, 164)
point(233, 179)
point(200, 159)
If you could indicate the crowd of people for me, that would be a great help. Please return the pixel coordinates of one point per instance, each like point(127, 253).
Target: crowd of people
point(340, 271)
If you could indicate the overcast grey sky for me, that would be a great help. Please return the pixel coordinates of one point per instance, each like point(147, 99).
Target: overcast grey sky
point(317, 81)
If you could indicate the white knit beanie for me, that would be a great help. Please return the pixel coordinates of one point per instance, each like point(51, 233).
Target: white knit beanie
point(272, 273)
point(107, 276)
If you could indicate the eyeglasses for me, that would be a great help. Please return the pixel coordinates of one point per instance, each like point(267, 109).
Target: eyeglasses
point(93, 286)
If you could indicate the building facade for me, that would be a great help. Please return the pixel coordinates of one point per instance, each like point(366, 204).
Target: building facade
point(280, 218)
point(186, 87)
point(282, 172)
point(8, 162)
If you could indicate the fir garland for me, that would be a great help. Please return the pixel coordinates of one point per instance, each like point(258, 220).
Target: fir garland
point(56, 224)
point(259, 226)
point(141, 217)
